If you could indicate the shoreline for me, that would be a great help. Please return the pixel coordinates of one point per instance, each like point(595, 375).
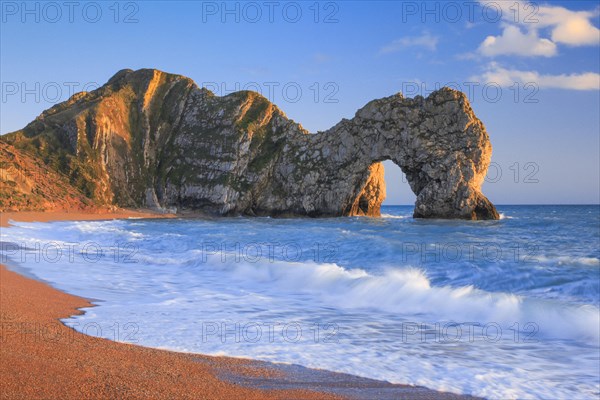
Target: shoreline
point(78, 215)
point(43, 358)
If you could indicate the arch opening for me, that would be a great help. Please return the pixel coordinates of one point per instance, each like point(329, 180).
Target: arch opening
point(398, 191)
point(384, 185)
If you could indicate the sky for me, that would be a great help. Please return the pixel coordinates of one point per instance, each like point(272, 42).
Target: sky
point(530, 69)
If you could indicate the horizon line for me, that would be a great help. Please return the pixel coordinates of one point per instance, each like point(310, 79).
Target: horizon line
point(508, 204)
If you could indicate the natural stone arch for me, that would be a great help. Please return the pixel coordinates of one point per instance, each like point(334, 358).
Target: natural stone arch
point(438, 142)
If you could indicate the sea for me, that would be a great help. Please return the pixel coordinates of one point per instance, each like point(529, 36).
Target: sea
point(498, 309)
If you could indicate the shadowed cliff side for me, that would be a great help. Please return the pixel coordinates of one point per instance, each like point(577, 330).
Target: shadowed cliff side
point(152, 139)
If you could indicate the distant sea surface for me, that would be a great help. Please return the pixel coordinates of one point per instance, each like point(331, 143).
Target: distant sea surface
point(500, 309)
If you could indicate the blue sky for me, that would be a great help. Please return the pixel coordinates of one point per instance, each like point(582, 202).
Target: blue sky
point(530, 69)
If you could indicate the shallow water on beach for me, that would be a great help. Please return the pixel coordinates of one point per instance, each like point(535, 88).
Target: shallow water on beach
point(500, 309)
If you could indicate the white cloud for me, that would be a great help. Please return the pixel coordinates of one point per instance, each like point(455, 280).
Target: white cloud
point(508, 77)
point(426, 40)
point(561, 25)
point(576, 31)
point(514, 42)
point(569, 27)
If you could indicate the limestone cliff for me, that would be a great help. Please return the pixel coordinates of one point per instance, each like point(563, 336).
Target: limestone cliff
point(152, 139)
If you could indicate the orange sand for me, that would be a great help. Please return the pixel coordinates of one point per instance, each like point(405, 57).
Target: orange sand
point(43, 359)
point(40, 358)
point(45, 216)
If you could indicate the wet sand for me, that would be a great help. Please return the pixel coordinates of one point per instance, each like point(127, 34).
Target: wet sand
point(41, 358)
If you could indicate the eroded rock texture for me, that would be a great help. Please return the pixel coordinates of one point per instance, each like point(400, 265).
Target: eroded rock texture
point(152, 139)
point(27, 184)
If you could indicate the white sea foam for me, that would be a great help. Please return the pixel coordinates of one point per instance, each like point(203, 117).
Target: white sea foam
point(408, 291)
point(391, 216)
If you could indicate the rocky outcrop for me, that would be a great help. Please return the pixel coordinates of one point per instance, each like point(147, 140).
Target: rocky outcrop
point(152, 139)
point(27, 184)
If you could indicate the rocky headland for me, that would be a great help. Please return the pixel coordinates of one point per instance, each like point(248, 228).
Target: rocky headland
point(149, 139)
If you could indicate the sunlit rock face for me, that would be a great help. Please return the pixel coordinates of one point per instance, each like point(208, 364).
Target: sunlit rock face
point(438, 143)
point(152, 139)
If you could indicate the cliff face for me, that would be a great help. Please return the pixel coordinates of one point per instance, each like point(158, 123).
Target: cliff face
point(151, 139)
point(27, 184)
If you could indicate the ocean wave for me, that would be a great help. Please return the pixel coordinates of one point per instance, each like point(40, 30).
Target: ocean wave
point(408, 291)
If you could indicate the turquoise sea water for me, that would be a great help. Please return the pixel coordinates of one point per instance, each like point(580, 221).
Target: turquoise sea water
point(500, 309)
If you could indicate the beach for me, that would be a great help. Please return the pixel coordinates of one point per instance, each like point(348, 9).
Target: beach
point(76, 215)
point(300, 200)
point(43, 358)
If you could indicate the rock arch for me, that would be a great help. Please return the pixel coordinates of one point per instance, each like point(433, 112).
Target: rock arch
point(438, 142)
